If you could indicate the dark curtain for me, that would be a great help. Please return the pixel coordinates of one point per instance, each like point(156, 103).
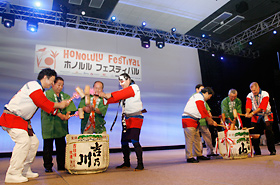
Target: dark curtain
point(238, 73)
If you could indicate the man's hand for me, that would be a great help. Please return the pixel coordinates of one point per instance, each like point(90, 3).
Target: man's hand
point(67, 116)
point(61, 105)
point(87, 109)
point(105, 95)
point(249, 115)
point(61, 116)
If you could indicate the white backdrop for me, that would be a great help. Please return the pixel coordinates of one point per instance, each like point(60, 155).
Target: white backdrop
point(169, 76)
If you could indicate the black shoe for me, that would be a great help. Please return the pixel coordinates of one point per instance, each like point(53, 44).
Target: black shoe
point(139, 167)
point(272, 153)
point(61, 169)
point(124, 165)
point(192, 160)
point(48, 170)
point(202, 158)
point(213, 155)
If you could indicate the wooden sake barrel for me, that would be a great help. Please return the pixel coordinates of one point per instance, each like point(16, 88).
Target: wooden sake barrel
point(87, 153)
point(234, 144)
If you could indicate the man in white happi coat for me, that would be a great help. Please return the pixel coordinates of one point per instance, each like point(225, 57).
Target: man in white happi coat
point(16, 121)
point(261, 117)
point(195, 110)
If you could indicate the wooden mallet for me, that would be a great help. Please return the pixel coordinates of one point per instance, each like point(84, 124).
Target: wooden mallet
point(79, 93)
point(87, 95)
point(81, 113)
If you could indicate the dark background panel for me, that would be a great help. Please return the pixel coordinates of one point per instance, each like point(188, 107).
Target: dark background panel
point(238, 73)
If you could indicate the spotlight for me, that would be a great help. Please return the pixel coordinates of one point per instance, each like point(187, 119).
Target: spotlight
point(160, 43)
point(113, 18)
point(222, 58)
point(173, 29)
point(8, 20)
point(250, 43)
point(213, 51)
point(37, 4)
point(83, 13)
point(144, 23)
point(32, 25)
point(145, 41)
point(274, 32)
point(203, 35)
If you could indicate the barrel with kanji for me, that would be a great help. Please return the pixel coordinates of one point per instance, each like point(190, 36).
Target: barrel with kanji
point(87, 153)
point(234, 144)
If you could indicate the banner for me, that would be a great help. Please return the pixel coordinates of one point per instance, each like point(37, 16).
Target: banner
point(75, 62)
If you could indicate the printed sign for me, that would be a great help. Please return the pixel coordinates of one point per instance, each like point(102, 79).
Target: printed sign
point(75, 62)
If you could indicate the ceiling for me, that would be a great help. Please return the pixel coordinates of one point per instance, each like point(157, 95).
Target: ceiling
point(159, 14)
point(188, 16)
point(163, 15)
point(253, 12)
point(93, 8)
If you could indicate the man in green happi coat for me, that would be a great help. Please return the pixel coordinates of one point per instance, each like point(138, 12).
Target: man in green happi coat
point(93, 121)
point(55, 127)
point(227, 106)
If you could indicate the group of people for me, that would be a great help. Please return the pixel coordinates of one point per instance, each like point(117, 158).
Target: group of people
point(55, 127)
point(56, 109)
point(197, 116)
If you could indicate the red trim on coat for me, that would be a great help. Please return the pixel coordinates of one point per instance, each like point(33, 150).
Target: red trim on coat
point(248, 103)
point(121, 95)
point(134, 122)
point(264, 103)
point(254, 119)
point(270, 117)
point(112, 100)
point(12, 121)
point(202, 109)
point(40, 100)
point(188, 122)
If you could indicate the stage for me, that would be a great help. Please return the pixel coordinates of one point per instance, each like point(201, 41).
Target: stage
point(167, 167)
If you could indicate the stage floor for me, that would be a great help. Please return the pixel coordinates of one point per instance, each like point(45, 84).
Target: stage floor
point(167, 167)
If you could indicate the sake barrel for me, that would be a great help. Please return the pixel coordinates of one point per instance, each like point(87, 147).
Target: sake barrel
point(234, 144)
point(87, 153)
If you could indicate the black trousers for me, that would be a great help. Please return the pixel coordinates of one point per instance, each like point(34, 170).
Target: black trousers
point(60, 145)
point(262, 127)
